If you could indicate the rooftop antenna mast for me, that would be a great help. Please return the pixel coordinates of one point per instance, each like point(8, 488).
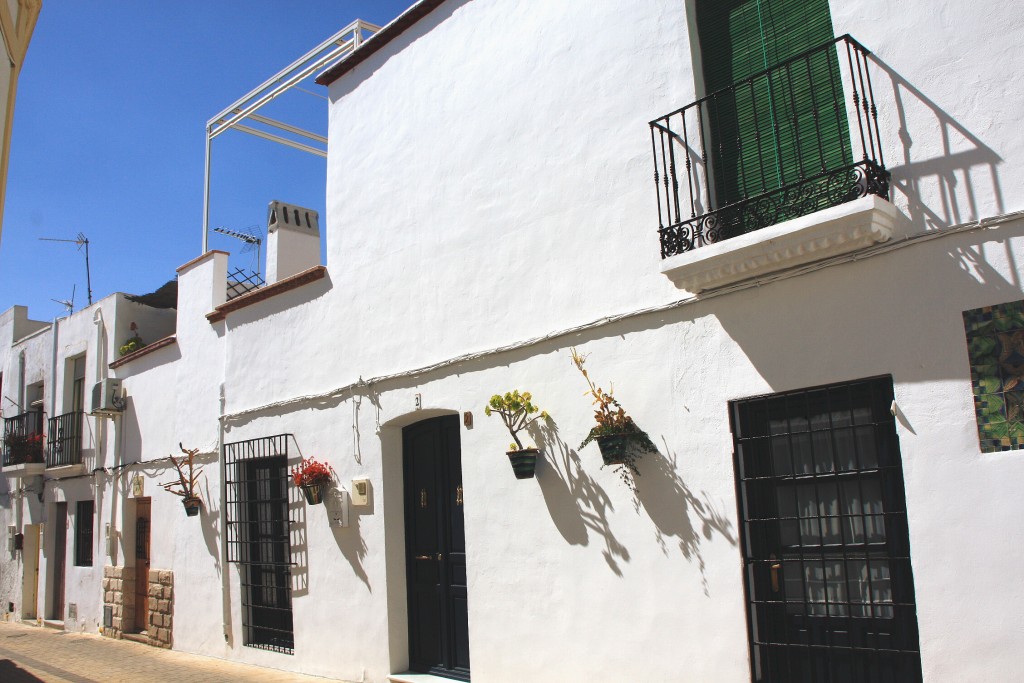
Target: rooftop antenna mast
point(81, 241)
point(67, 303)
point(253, 238)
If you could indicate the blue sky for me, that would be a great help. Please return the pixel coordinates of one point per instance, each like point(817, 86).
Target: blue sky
point(109, 135)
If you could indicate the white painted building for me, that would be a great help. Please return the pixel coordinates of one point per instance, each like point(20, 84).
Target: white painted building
point(831, 377)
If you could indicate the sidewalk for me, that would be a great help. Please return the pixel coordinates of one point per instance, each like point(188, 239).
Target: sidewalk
point(29, 654)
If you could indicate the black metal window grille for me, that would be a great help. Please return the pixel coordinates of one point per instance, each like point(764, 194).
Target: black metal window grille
point(84, 519)
point(23, 439)
point(241, 282)
point(826, 550)
point(735, 132)
point(142, 539)
point(258, 538)
point(64, 444)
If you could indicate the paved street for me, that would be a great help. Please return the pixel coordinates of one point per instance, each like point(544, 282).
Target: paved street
point(29, 654)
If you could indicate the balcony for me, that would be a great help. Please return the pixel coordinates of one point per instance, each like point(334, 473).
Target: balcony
point(23, 445)
point(774, 147)
point(64, 445)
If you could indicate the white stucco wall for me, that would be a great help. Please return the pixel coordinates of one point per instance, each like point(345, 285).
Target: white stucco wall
point(503, 193)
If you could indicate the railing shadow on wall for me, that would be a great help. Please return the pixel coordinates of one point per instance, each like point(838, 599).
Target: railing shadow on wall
point(958, 172)
point(577, 503)
point(298, 536)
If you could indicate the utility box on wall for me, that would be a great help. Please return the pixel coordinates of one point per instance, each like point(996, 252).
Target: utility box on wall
point(336, 504)
point(106, 397)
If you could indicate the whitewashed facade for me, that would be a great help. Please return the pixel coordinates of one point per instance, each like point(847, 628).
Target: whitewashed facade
point(489, 206)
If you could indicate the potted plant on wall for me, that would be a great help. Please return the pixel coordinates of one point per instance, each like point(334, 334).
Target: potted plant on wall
point(619, 439)
point(312, 476)
point(133, 343)
point(515, 410)
point(186, 485)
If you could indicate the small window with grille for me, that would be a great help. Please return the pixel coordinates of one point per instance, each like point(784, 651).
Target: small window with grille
point(257, 525)
point(83, 533)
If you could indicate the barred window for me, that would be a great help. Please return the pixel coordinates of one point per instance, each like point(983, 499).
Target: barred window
point(257, 519)
point(83, 533)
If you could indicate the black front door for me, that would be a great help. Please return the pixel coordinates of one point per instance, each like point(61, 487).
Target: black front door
point(825, 541)
point(436, 548)
point(267, 593)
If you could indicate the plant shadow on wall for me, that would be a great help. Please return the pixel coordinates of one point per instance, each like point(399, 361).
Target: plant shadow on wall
point(351, 542)
point(680, 516)
point(577, 504)
point(209, 520)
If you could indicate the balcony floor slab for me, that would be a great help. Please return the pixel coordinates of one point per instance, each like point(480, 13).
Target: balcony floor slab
point(65, 471)
point(25, 469)
point(838, 230)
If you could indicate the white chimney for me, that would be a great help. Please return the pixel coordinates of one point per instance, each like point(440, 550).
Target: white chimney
point(293, 240)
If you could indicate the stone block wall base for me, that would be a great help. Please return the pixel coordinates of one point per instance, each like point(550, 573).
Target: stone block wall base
point(118, 595)
point(160, 619)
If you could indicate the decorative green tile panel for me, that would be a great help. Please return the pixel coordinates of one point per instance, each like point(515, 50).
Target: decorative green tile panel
point(995, 348)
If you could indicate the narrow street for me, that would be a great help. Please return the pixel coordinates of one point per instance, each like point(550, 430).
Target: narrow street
point(29, 654)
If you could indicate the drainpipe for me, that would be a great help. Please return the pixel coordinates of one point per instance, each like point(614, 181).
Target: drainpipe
point(53, 369)
point(225, 580)
point(101, 428)
point(110, 533)
point(21, 379)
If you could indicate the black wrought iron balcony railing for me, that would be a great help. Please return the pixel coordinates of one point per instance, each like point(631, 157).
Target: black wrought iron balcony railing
point(23, 439)
point(64, 442)
point(773, 146)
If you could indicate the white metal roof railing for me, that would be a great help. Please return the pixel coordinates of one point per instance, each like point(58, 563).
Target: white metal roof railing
point(334, 48)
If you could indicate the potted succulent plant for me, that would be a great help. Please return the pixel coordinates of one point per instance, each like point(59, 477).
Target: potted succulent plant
point(515, 410)
point(133, 343)
point(312, 476)
point(186, 486)
point(619, 439)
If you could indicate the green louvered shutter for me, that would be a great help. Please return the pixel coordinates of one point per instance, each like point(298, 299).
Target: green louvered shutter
point(764, 135)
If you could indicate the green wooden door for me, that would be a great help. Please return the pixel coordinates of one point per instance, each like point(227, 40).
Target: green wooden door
point(770, 130)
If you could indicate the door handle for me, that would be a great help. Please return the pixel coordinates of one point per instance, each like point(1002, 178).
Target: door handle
point(428, 557)
point(775, 576)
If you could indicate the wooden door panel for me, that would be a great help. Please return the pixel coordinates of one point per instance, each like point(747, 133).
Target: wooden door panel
point(435, 548)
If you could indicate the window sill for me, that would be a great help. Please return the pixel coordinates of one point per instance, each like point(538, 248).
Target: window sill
point(838, 230)
point(62, 471)
point(25, 469)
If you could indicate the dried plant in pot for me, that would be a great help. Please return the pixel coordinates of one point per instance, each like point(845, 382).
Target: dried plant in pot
point(312, 476)
point(187, 485)
point(515, 410)
point(621, 442)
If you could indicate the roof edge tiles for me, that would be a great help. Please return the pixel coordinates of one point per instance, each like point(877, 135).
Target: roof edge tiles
point(379, 40)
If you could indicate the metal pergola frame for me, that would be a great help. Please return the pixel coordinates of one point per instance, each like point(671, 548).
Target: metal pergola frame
point(339, 45)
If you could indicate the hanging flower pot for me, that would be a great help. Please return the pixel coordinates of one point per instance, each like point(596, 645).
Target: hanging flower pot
point(191, 506)
point(314, 493)
point(524, 462)
point(614, 448)
point(312, 477)
point(515, 409)
point(187, 483)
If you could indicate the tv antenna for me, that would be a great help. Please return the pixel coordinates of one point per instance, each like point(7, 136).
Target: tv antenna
point(253, 238)
point(67, 303)
point(81, 241)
